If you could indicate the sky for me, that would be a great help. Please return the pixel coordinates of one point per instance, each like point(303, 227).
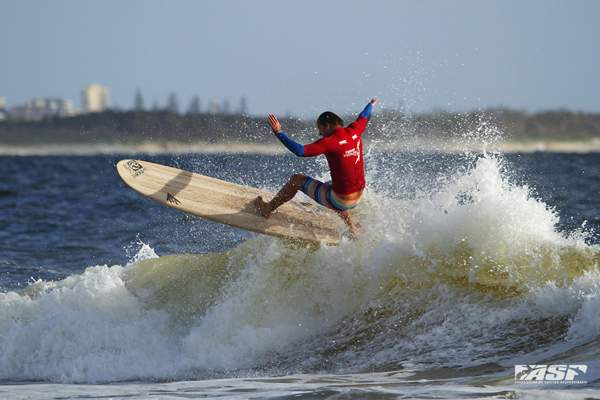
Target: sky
point(300, 58)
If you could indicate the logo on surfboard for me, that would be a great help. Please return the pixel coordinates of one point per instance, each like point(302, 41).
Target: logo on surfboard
point(134, 168)
point(172, 199)
point(307, 207)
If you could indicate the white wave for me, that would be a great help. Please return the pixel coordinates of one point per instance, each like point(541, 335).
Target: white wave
point(474, 271)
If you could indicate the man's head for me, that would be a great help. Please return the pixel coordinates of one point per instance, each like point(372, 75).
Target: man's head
point(328, 122)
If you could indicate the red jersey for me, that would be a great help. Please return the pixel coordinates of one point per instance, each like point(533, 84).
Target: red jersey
point(343, 150)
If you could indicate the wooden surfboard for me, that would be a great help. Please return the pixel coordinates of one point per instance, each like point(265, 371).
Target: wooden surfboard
point(230, 203)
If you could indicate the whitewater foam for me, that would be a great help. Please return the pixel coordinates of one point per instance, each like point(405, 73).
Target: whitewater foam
point(472, 270)
point(86, 328)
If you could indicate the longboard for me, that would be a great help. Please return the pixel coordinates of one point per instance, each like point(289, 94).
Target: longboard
point(230, 203)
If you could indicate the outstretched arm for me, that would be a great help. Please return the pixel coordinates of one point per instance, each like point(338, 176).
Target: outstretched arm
point(368, 109)
point(292, 146)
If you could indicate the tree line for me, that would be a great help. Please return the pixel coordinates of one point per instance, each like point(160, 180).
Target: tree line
point(195, 106)
point(164, 125)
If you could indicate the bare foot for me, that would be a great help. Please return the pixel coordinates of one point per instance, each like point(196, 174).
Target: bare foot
point(262, 207)
point(354, 234)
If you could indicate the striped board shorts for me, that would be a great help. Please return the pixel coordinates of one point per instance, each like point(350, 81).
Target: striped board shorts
point(324, 195)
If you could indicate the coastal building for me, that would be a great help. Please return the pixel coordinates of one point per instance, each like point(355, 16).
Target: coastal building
point(37, 109)
point(94, 98)
point(3, 112)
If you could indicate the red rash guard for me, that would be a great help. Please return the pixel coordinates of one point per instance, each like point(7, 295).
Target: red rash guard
point(343, 150)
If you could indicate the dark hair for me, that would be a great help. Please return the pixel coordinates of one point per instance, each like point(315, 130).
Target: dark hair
point(329, 118)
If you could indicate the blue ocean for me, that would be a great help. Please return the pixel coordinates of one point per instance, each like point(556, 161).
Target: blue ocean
point(477, 278)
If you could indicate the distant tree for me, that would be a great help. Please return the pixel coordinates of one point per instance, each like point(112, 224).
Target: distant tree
point(213, 107)
point(139, 101)
point(226, 108)
point(173, 105)
point(243, 106)
point(194, 106)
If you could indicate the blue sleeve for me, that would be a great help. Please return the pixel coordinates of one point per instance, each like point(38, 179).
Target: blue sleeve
point(292, 146)
point(367, 111)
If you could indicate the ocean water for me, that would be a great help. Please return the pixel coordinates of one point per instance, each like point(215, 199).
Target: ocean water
point(475, 268)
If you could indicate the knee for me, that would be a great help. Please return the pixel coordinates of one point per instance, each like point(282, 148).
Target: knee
point(297, 180)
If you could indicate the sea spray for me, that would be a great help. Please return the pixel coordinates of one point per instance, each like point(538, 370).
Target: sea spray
point(459, 267)
point(460, 262)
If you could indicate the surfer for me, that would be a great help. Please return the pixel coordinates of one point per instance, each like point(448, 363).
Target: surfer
point(343, 149)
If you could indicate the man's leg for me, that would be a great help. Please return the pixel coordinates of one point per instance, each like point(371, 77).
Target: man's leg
point(287, 192)
point(355, 232)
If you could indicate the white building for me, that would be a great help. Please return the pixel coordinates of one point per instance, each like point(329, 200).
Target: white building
point(42, 108)
point(94, 98)
point(3, 112)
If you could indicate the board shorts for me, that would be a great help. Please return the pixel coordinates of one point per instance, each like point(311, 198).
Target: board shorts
point(323, 194)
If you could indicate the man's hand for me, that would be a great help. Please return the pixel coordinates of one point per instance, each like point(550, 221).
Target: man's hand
point(374, 101)
point(274, 123)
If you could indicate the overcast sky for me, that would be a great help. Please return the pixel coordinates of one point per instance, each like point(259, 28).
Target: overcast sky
point(306, 56)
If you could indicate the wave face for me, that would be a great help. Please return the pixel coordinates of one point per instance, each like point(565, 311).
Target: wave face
point(464, 268)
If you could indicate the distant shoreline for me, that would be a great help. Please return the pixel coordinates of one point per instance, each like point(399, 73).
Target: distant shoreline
point(125, 149)
point(590, 146)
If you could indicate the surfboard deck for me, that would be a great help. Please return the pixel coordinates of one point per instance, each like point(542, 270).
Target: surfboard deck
point(230, 203)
